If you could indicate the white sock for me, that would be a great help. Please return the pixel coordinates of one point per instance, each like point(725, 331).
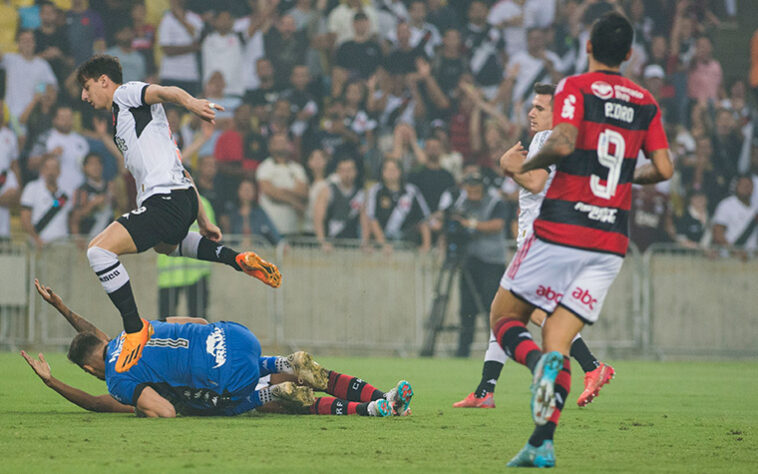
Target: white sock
point(188, 247)
point(494, 351)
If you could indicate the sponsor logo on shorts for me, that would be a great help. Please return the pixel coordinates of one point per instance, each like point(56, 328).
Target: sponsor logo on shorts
point(215, 345)
point(548, 293)
point(584, 297)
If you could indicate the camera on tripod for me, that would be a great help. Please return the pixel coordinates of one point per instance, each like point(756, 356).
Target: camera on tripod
point(456, 235)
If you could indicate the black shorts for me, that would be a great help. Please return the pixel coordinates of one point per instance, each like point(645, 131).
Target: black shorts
point(163, 218)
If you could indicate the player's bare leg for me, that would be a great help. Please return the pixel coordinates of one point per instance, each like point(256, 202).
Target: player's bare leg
point(103, 253)
point(596, 373)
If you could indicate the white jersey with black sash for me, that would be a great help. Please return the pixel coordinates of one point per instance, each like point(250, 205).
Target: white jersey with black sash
point(528, 202)
point(49, 210)
point(142, 134)
point(396, 211)
point(343, 212)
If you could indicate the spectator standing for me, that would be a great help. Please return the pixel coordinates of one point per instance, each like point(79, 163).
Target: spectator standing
point(85, 29)
point(25, 74)
point(247, 218)
point(9, 183)
point(396, 210)
point(132, 62)
point(209, 184)
point(361, 55)
point(508, 15)
point(693, 226)
point(285, 47)
point(340, 22)
point(449, 65)
point(317, 162)
point(93, 204)
point(283, 185)
point(178, 36)
point(338, 212)
point(45, 207)
point(144, 35)
point(442, 16)
point(432, 180)
point(735, 222)
point(252, 28)
point(51, 42)
point(68, 146)
point(303, 104)
point(649, 216)
point(239, 150)
point(424, 37)
point(222, 51)
point(485, 47)
point(705, 76)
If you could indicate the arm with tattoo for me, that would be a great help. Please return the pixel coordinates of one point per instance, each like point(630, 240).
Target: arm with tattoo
point(561, 142)
point(76, 321)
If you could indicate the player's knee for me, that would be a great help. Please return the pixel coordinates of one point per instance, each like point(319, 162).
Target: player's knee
point(99, 257)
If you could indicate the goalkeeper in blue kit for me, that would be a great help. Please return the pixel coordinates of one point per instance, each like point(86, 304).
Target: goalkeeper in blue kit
point(191, 367)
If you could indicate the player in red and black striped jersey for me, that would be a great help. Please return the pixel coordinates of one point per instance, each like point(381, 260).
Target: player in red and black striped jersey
point(601, 123)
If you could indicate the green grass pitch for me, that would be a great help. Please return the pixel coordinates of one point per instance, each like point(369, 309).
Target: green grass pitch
point(654, 417)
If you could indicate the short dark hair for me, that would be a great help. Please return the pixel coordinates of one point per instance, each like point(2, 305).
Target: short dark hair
point(92, 156)
point(544, 88)
point(360, 16)
point(82, 347)
point(98, 65)
point(611, 39)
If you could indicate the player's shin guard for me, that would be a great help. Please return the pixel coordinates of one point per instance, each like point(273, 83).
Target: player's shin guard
point(494, 359)
point(562, 389)
point(115, 281)
point(336, 406)
point(196, 246)
point(517, 342)
point(583, 355)
point(351, 388)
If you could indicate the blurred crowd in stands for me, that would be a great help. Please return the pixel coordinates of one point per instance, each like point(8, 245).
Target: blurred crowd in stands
point(359, 119)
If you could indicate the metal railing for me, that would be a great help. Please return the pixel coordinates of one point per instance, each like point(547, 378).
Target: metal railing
point(665, 302)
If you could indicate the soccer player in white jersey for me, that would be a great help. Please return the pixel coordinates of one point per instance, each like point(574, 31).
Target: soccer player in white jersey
point(533, 185)
point(167, 200)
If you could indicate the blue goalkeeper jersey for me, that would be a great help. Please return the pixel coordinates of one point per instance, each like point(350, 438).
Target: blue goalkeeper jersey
point(202, 369)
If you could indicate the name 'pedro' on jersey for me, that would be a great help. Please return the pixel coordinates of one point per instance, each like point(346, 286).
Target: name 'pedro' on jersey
point(587, 204)
point(142, 134)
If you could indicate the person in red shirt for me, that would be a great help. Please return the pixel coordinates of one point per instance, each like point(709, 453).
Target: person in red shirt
point(601, 122)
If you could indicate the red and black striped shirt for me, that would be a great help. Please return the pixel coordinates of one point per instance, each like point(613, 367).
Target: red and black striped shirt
point(587, 204)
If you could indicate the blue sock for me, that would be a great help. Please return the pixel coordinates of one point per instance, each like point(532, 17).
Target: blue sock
point(267, 365)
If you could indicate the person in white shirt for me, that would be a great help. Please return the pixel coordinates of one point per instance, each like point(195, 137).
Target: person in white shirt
point(341, 20)
point(68, 146)
point(509, 15)
point(45, 207)
point(735, 221)
point(167, 198)
point(423, 35)
point(534, 185)
point(9, 181)
point(284, 186)
point(526, 67)
point(178, 36)
point(133, 62)
point(25, 73)
point(222, 51)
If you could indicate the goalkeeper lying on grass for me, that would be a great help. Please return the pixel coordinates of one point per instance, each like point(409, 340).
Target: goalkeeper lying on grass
point(191, 367)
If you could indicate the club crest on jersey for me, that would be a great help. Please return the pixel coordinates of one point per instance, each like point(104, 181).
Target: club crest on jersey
point(215, 345)
point(120, 144)
point(602, 90)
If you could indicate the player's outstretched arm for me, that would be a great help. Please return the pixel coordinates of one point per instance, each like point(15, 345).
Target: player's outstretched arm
point(205, 109)
point(78, 322)
point(561, 142)
point(659, 169)
point(102, 403)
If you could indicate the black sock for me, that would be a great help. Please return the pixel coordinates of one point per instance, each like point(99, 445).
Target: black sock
point(123, 299)
point(210, 251)
point(541, 433)
point(490, 374)
point(582, 354)
point(517, 342)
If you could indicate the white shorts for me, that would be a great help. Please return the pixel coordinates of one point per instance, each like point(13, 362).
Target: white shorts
point(546, 275)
